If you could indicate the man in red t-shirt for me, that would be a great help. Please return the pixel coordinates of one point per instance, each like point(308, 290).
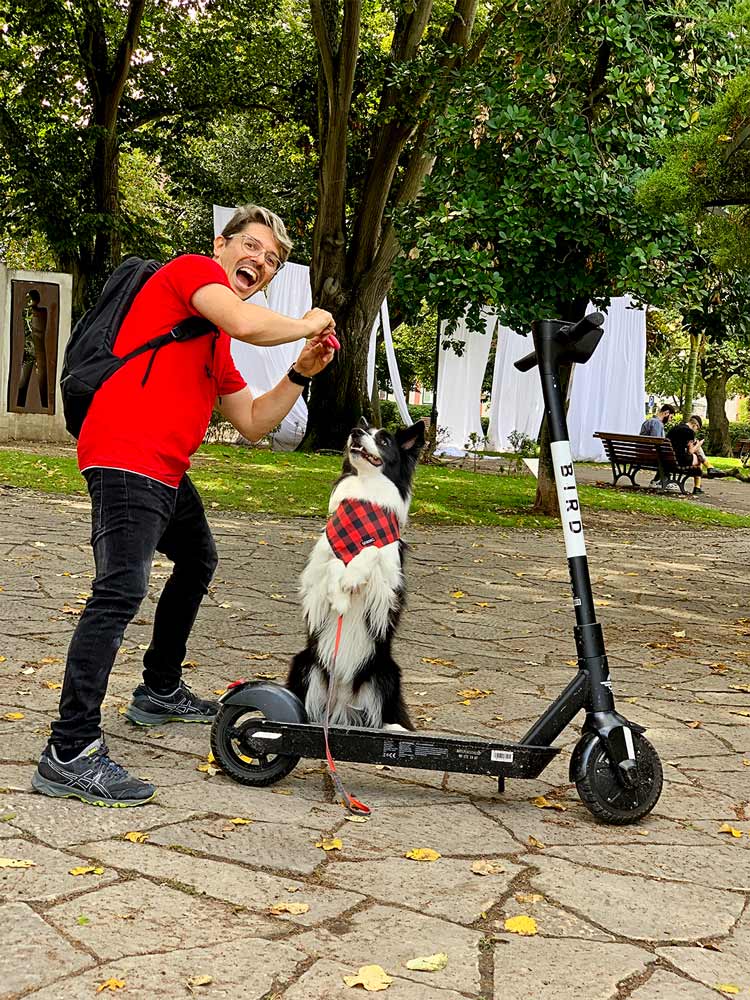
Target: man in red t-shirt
point(134, 451)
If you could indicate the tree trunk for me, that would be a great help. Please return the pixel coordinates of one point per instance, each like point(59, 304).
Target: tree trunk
point(692, 368)
point(718, 424)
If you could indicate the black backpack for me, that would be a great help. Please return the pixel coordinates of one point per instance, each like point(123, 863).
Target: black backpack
point(89, 360)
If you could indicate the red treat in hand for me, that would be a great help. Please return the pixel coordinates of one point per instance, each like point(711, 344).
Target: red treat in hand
point(332, 341)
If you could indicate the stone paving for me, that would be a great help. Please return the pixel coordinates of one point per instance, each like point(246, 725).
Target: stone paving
point(657, 911)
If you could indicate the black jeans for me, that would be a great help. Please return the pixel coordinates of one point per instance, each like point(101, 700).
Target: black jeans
point(131, 518)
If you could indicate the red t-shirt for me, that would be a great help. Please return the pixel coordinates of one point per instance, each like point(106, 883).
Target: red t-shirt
point(154, 429)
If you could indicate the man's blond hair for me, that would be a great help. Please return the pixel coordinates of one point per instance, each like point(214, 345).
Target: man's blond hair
point(256, 213)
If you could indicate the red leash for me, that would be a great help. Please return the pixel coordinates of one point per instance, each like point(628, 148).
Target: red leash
point(347, 800)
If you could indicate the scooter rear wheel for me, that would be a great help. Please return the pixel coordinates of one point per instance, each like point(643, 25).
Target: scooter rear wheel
point(600, 790)
point(242, 758)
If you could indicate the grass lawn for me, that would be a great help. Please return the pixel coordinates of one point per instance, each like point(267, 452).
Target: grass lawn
point(292, 485)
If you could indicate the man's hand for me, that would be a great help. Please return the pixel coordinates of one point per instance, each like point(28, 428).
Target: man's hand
point(315, 355)
point(318, 321)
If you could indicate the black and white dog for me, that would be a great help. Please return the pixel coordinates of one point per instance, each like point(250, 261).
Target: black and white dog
point(354, 582)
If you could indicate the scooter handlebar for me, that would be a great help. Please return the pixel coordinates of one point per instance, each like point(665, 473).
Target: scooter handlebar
point(569, 335)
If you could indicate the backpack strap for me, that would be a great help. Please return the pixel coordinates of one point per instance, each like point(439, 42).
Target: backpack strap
point(188, 329)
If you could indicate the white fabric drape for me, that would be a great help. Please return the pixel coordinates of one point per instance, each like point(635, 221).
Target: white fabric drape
point(460, 388)
point(516, 403)
point(608, 392)
point(393, 371)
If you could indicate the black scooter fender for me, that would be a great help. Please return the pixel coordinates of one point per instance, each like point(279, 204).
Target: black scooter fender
point(277, 703)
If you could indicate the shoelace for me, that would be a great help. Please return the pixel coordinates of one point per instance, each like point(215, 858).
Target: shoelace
point(103, 758)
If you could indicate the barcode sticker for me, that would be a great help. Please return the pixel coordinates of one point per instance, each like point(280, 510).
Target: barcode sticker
point(501, 756)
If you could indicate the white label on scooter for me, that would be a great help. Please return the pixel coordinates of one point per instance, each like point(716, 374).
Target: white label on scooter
point(263, 735)
point(501, 756)
point(567, 495)
point(629, 742)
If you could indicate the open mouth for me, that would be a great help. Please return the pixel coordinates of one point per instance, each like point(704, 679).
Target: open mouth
point(247, 277)
point(372, 459)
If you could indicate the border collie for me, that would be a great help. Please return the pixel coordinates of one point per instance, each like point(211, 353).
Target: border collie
point(355, 573)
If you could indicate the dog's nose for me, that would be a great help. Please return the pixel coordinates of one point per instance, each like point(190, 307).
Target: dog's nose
point(357, 432)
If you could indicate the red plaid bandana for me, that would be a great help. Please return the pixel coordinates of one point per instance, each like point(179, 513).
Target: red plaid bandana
point(357, 524)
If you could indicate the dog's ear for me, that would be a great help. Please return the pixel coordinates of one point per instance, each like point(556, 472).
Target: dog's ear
point(364, 423)
point(411, 438)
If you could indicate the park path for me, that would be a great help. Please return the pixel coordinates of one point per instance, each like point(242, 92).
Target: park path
point(653, 912)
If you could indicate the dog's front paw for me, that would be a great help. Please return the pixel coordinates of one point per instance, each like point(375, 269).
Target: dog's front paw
point(359, 570)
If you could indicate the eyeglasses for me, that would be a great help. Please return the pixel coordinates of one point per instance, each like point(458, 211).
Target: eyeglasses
point(254, 248)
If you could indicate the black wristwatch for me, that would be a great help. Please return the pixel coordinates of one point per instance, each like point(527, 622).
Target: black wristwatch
point(299, 379)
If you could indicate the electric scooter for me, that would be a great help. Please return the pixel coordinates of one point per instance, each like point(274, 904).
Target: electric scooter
point(261, 730)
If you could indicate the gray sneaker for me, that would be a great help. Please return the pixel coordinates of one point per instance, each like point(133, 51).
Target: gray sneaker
point(91, 777)
point(151, 709)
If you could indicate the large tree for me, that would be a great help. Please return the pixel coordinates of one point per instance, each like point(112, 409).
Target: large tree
point(80, 81)
point(530, 207)
point(376, 103)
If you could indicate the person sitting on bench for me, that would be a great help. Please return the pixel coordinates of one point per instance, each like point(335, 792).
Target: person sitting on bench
point(655, 426)
point(688, 448)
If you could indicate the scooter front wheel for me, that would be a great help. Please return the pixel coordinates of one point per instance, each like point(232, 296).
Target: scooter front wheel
point(239, 755)
point(602, 792)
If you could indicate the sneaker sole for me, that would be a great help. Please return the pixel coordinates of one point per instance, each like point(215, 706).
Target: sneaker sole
point(40, 784)
point(141, 718)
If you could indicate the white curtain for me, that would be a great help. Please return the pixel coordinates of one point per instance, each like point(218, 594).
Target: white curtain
point(516, 403)
point(608, 392)
point(460, 388)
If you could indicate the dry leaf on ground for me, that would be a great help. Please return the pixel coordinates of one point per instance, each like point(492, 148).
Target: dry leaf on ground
point(487, 867)
point(523, 925)
point(727, 988)
point(542, 803)
point(283, 907)
point(372, 977)
point(111, 984)
point(726, 828)
point(240, 821)
point(13, 716)
point(533, 842)
point(87, 870)
point(199, 981)
point(428, 963)
point(135, 837)
point(16, 863)
point(528, 897)
point(330, 843)
point(422, 854)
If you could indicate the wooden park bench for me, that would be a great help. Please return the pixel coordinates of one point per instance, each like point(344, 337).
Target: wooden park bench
point(629, 453)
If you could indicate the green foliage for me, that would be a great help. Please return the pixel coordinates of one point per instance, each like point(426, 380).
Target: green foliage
point(530, 207)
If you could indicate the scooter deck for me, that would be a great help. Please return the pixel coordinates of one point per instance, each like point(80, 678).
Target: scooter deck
point(417, 750)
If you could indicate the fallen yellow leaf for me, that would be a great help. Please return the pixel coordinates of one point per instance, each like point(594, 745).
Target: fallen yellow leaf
point(487, 868)
point(372, 977)
point(533, 842)
point(727, 988)
point(428, 963)
point(330, 843)
point(87, 870)
point(726, 828)
point(526, 926)
point(528, 897)
point(356, 819)
point(135, 837)
point(542, 803)
point(13, 716)
point(422, 854)
point(438, 662)
point(199, 981)
point(51, 685)
point(695, 724)
point(283, 907)
point(111, 984)
point(16, 863)
point(240, 821)
point(741, 712)
point(679, 635)
point(458, 593)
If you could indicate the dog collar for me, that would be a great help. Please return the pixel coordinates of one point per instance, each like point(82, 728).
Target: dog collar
point(357, 524)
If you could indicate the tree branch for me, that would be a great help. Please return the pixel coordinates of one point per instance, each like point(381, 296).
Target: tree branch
point(121, 67)
point(160, 113)
point(325, 48)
